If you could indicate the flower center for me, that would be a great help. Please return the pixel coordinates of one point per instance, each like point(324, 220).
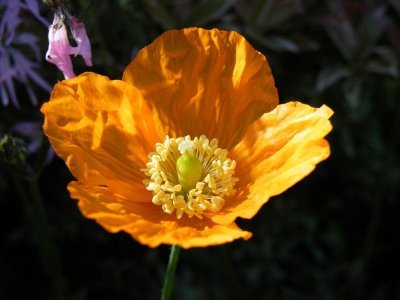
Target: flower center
point(190, 176)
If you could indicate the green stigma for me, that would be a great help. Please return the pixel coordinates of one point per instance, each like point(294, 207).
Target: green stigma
point(189, 171)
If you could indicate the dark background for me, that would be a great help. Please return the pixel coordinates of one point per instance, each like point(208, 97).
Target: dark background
point(332, 236)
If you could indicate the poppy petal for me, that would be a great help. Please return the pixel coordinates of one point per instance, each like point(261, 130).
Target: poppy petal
point(148, 224)
point(277, 151)
point(103, 130)
point(209, 82)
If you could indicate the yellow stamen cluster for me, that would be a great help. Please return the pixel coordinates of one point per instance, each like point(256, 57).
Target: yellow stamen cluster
point(216, 179)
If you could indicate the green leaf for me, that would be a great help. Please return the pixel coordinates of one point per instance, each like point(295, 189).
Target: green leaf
point(396, 5)
point(331, 75)
point(384, 61)
point(305, 43)
point(208, 10)
point(342, 35)
point(352, 91)
point(282, 44)
point(280, 12)
point(274, 42)
point(159, 14)
point(263, 15)
point(368, 32)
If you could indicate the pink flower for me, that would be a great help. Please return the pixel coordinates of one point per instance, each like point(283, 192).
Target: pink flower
point(60, 49)
point(81, 38)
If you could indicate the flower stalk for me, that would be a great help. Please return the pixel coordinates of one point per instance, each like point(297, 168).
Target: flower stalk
point(169, 276)
point(47, 248)
point(13, 155)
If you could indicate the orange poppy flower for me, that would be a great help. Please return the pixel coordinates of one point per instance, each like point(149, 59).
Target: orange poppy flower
point(191, 138)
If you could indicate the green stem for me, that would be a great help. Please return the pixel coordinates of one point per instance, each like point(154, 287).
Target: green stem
point(169, 276)
point(41, 158)
point(47, 249)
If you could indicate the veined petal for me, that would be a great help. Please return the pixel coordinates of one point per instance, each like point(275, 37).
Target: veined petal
point(146, 223)
point(103, 130)
point(209, 82)
point(277, 151)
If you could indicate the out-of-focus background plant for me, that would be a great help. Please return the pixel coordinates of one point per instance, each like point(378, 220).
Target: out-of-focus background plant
point(333, 236)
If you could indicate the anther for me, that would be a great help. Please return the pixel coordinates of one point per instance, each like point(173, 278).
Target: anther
point(189, 176)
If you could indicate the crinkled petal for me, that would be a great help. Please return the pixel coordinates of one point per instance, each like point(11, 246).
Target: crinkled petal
point(147, 224)
point(209, 82)
point(104, 132)
point(277, 151)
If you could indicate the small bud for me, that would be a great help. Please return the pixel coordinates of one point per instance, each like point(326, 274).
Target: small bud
point(13, 151)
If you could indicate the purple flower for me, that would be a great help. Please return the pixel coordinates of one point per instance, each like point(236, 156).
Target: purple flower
point(10, 20)
point(33, 7)
point(33, 135)
point(15, 67)
point(59, 47)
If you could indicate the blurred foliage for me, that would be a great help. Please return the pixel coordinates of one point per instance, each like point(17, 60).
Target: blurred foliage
point(333, 236)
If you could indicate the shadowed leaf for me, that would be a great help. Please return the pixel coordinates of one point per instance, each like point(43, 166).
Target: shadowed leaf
point(330, 75)
point(159, 14)
point(352, 91)
point(209, 10)
point(383, 61)
point(342, 35)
